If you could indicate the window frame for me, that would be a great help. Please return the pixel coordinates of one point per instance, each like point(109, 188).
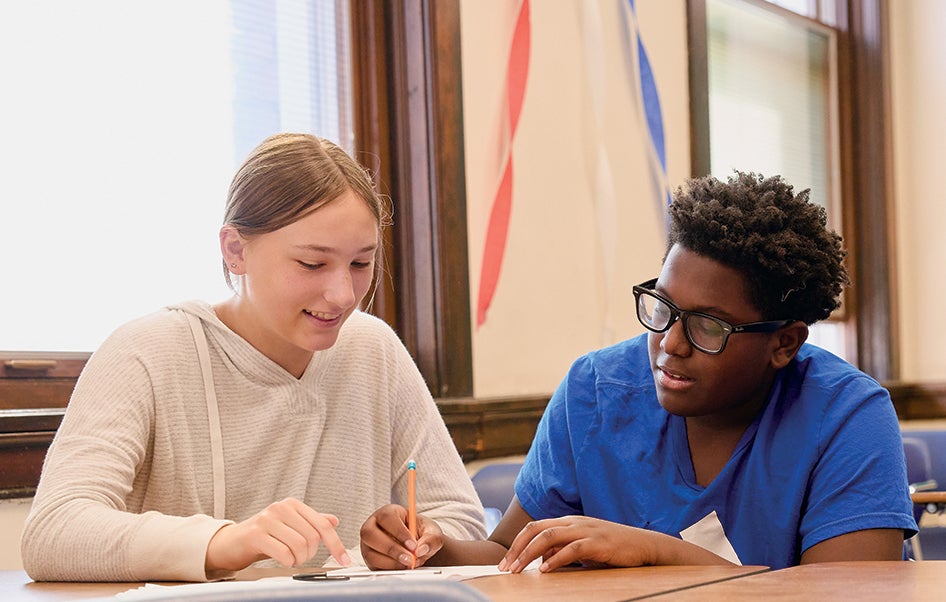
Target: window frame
point(409, 96)
point(865, 174)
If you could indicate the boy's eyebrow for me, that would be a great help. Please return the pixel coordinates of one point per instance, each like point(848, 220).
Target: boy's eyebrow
point(713, 310)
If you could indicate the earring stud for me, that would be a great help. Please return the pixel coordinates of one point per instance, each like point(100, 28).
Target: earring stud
point(233, 265)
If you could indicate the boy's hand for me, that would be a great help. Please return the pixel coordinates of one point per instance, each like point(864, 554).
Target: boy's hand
point(386, 542)
point(578, 539)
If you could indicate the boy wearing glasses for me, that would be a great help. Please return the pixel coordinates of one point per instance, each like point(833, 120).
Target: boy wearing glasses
point(719, 436)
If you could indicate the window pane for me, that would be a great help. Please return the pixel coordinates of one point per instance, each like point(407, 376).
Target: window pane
point(768, 94)
point(123, 122)
point(802, 7)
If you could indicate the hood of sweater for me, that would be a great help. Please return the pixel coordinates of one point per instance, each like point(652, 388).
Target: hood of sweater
point(249, 360)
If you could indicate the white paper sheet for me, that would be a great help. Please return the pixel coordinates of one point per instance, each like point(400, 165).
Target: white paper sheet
point(708, 533)
point(153, 591)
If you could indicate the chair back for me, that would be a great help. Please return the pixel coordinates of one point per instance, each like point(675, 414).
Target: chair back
point(919, 466)
point(495, 484)
point(919, 470)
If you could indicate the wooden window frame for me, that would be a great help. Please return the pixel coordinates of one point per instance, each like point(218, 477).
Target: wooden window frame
point(407, 88)
point(866, 180)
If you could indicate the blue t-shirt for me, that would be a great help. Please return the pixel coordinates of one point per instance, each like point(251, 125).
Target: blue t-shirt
point(823, 458)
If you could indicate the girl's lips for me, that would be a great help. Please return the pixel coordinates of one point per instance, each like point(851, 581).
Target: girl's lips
point(322, 318)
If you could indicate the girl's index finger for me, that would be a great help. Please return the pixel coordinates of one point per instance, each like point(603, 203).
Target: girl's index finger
point(336, 548)
point(324, 525)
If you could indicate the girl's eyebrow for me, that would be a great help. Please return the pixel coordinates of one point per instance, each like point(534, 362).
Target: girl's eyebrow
point(324, 249)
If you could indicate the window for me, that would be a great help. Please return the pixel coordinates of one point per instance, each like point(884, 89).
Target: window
point(123, 123)
point(773, 108)
point(823, 61)
point(407, 127)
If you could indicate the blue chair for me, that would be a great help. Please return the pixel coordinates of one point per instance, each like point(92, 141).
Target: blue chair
point(935, 440)
point(933, 537)
point(495, 484)
point(919, 469)
point(919, 473)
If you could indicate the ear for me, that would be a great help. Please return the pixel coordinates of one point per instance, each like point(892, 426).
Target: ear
point(788, 340)
point(232, 246)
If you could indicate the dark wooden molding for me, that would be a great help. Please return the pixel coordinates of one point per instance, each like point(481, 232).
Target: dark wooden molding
point(699, 88)
point(480, 428)
point(25, 436)
point(35, 392)
point(491, 428)
point(409, 78)
point(16, 422)
point(918, 401)
point(372, 135)
point(866, 138)
point(454, 347)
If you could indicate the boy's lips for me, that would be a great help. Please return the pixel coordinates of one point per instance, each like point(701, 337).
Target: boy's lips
point(671, 379)
point(673, 374)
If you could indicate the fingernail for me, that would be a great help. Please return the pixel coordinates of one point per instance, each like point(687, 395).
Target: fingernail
point(502, 565)
point(410, 544)
point(544, 568)
point(514, 565)
point(423, 550)
point(345, 560)
point(405, 559)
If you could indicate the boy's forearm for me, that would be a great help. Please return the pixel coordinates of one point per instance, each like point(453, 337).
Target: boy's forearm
point(456, 552)
point(669, 550)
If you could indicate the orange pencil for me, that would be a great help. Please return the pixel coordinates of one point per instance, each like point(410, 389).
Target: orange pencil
point(412, 505)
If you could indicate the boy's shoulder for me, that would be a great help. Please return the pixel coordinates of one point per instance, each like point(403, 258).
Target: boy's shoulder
point(816, 365)
point(620, 355)
point(625, 363)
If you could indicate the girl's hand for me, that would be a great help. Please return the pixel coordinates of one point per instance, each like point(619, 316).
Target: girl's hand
point(289, 532)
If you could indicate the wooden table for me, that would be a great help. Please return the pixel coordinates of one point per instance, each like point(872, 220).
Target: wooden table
point(861, 581)
point(577, 584)
point(606, 584)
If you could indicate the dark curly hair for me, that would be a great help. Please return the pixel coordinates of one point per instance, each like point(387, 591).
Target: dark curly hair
point(779, 240)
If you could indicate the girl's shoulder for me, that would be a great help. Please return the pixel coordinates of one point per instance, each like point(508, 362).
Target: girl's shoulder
point(162, 331)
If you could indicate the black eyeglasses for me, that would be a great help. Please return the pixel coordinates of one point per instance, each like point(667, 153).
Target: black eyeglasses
point(705, 332)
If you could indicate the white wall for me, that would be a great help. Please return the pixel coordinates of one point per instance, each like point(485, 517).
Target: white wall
point(12, 515)
point(918, 72)
point(557, 296)
point(587, 218)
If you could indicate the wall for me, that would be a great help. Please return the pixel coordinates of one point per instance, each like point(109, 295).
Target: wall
point(918, 95)
point(12, 515)
point(588, 192)
point(556, 290)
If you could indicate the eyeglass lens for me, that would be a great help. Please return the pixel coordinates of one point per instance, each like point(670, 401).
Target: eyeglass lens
point(705, 332)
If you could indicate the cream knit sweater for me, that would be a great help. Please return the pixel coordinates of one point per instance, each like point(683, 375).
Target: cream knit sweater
point(127, 487)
